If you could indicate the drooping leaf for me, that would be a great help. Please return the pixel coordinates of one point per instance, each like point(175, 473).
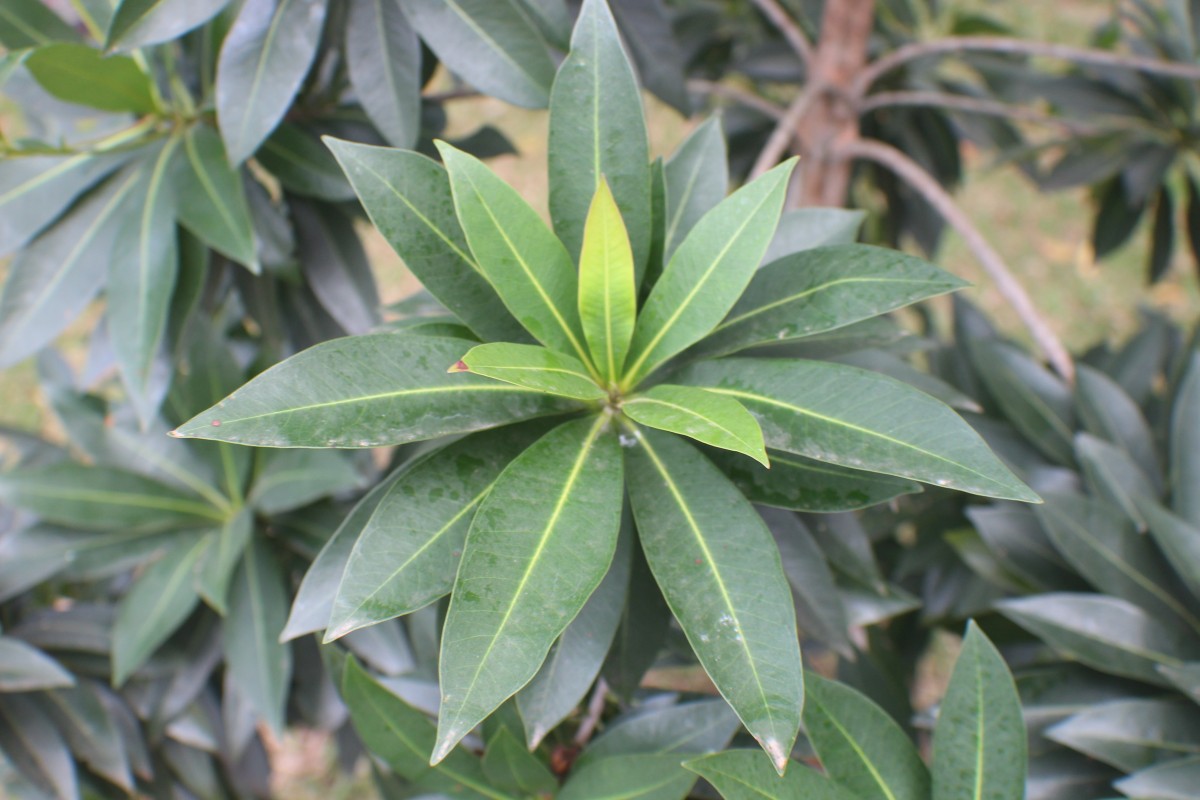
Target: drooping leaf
point(1175, 780)
point(35, 748)
point(81, 74)
point(1178, 539)
point(384, 59)
point(702, 415)
point(324, 397)
point(263, 61)
point(742, 775)
point(336, 267)
point(641, 633)
point(491, 44)
point(1108, 412)
point(532, 367)
point(979, 744)
point(695, 179)
point(408, 198)
point(647, 30)
point(720, 572)
point(1111, 473)
point(220, 559)
point(597, 133)
point(511, 768)
point(636, 776)
point(1185, 445)
point(31, 23)
point(707, 273)
point(807, 228)
point(408, 552)
point(138, 23)
point(523, 260)
point(509, 603)
point(861, 420)
point(607, 292)
point(24, 668)
point(293, 154)
point(802, 484)
point(1131, 734)
point(823, 289)
point(210, 200)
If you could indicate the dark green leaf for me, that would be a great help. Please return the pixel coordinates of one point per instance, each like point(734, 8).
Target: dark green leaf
point(31, 23)
point(708, 272)
point(1116, 218)
point(532, 367)
point(91, 731)
point(553, 19)
point(720, 572)
point(511, 768)
point(646, 29)
point(554, 509)
point(1193, 220)
point(642, 632)
point(702, 726)
point(1015, 542)
point(1131, 734)
point(1175, 780)
point(695, 178)
point(290, 479)
point(802, 484)
point(1108, 412)
point(1178, 539)
point(366, 391)
point(1185, 678)
point(636, 777)
point(24, 668)
point(743, 775)
point(210, 200)
point(895, 366)
point(221, 556)
point(83, 75)
point(1112, 474)
point(491, 44)
point(979, 744)
point(700, 414)
point(1163, 244)
point(258, 663)
point(1185, 445)
point(408, 198)
point(138, 23)
point(263, 61)
point(860, 420)
point(597, 132)
point(384, 58)
point(294, 155)
point(35, 748)
point(807, 228)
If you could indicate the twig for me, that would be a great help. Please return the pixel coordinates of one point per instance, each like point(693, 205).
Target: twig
point(737, 95)
point(461, 93)
point(791, 31)
point(1000, 44)
point(594, 710)
point(1008, 286)
point(785, 130)
point(971, 105)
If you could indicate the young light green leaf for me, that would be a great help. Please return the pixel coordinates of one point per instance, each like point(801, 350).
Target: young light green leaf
point(403, 738)
point(803, 484)
point(31, 23)
point(384, 58)
point(805, 228)
point(210, 200)
point(728, 591)
point(523, 260)
point(490, 43)
point(532, 367)
point(27, 669)
point(139, 23)
point(637, 776)
point(823, 289)
point(979, 744)
point(598, 133)
point(861, 420)
point(259, 664)
point(742, 775)
point(367, 391)
point(695, 179)
point(407, 554)
point(510, 767)
point(1185, 441)
point(81, 74)
point(263, 61)
point(704, 416)
point(408, 198)
point(707, 273)
point(555, 510)
point(607, 294)
point(860, 745)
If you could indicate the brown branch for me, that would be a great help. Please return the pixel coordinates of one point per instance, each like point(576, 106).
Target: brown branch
point(594, 710)
point(1008, 286)
point(788, 27)
point(737, 95)
point(971, 105)
point(785, 131)
point(461, 93)
point(1000, 44)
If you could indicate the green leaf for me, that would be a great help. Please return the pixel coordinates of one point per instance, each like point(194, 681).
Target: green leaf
point(1106, 633)
point(34, 747)
point(819, 290)
point(553, 19)
point(708, 272)
point(636, 777)
point(101, 498)
point(694, 728)
point(802, 484)
point(408, 198)
point(30, 23)
point(861, 420)
point(860, 745)
point(979, 744)
point(554, 510)
point(82, 715)
point(491, 44)
point(287, 480)
point(1185, 445)
point(510, 767)
point(1108, 412)
point(696, 178)
point(598, 134)
point(139, 23)
point(532, 367)
point(607, 294)
point(51, 281)
point(83, 75)
point(403, 738)
point(408, 551)
point(1175, 780)
point(524, 261)
point(1179, 540)
point(720, 572)
point(143, 269)
point(294, 155)
point(210, 200)
point(26, 669)
point(704, 416)
point(1112, 474)
point(646, 27)
point(221, 557)
point(389, 389)
point(159, 602)
point(258, 663)
point(263, 62)
point(807, 228)
point(1131, 734)
point(384, 58)
point(642, 632)
point(742, 775)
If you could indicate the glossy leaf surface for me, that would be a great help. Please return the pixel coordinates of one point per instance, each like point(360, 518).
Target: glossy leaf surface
point(702, 415)
point(384, 58)
point(743, 775)
point(607, 293)
point(696, 178)
point(533, 368)
point(804, 484)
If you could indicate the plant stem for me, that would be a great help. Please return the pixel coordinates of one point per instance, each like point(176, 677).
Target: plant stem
point(737, 95)
point(594, 710)
point(971, 105)
point(991, 261)
point(788, 27)
point(785, 131)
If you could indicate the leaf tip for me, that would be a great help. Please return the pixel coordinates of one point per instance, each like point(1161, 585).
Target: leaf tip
point(777, 753)
point(459, 366)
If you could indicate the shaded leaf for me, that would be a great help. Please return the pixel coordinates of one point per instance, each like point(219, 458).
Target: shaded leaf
point(81, 74)
point(1131, 734)
point(138, 23)
point(24, 668)
point(220, 559)
point(695, 178)
point(510, 767)
point(697, 727)
point(210, 200)
point(1113, 475)
point(35, 749)
point(743, 775)
point(1108, 412)
point(294, 155)
point(639, 776)
point(258, 663)
point(808, 228)
point(1185, 445)
point(646, 29)
point(384, 58)
point(803, 484)
point(1175, 780)
point(90, 731)
point(30, 23)
point(1179, 540)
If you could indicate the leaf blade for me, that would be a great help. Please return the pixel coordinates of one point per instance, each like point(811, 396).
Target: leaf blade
point(701, 415)
point(607, 294)
point(532, 367)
